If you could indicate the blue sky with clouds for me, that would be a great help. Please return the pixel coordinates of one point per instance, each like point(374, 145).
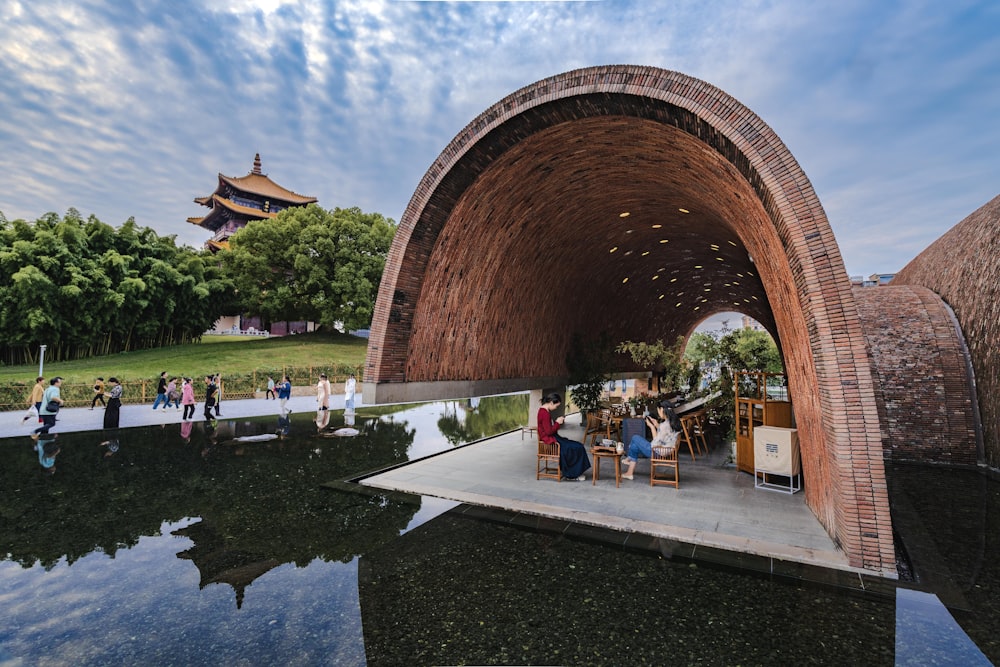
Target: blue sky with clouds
point(131, 107)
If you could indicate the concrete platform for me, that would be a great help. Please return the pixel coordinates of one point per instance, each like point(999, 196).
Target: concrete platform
point(715, 508)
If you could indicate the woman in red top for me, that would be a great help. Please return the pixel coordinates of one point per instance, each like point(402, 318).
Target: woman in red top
point(573, 459)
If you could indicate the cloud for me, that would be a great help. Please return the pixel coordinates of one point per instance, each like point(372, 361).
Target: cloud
point(120, 109)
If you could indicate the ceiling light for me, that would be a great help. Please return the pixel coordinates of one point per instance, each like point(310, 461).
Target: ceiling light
point(697, 266)
point(645, 253)
point(714, 247)
point(657, 226)
point(683, 210)
point(613, 249)
point(673, 280)
point(623, 214)
point(733, 244)
point(655, 276)
point(624, 281)
point(664, 241)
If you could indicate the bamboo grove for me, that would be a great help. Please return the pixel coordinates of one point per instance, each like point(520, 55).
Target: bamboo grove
point(84, 288)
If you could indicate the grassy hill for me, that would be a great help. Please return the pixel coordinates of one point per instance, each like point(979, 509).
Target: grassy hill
point(236, 355)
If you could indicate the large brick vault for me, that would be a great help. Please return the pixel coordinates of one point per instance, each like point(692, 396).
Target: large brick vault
point(636, 201)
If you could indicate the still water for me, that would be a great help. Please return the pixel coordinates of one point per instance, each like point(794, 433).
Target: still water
point(198, 548)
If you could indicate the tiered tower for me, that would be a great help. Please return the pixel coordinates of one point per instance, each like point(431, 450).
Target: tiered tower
point(239, 200)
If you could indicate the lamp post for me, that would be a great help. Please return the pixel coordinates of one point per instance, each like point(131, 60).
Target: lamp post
point(41, 360)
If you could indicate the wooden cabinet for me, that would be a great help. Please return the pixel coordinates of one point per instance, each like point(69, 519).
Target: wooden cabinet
point(761, 400)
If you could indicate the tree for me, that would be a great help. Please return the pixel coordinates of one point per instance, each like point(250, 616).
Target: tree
point(310, 263)
point(84, 288)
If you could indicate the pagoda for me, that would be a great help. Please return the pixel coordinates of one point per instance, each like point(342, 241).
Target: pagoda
point(239, 200)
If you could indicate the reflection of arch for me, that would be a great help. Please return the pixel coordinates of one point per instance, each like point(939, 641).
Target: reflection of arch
point(633, 200)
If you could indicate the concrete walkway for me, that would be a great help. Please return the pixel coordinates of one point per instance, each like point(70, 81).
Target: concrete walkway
point(71, 420)
point(716, 507)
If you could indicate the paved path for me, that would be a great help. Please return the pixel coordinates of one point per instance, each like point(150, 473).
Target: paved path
point(72, 420)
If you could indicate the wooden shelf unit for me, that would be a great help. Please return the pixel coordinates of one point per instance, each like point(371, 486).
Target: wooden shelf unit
point(761, 400)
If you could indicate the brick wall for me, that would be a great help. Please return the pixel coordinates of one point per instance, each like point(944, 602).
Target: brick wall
point(962, 268)
point(922, 385)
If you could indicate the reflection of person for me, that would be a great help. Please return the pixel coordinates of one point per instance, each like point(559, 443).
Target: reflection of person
point(112, 446)
point(573, 459)
point(349, 387)
point(284, 425)
point(47, 449)
point(323, 393)
point(665, 435)
point(35, 400)
point(284, 393)
point(113, 411)
point(98, 394)
point(52, 393)
point(187, 398)
point(186, 427)
point(322, 419)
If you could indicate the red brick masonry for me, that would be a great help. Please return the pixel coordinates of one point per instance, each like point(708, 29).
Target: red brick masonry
point(922, 383)
point(962, 267)
point(636, 201)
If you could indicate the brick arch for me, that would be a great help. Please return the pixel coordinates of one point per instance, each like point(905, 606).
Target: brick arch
point(516, 238)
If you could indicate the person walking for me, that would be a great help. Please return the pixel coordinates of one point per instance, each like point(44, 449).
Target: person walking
point(173, 395)
point(113, 410)
point(187, 398)
point(217, 379)
point(98, 394)
point(323, 393)
point(161, 390)
point(50, 404)
point(270, 388)
point(35, 400)
point(210, 391)
point(284, 393)
point(349, 388)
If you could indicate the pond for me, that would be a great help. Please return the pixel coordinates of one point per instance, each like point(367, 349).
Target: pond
point(205, 548)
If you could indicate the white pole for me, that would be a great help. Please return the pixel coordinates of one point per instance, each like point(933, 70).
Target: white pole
point(41, 360)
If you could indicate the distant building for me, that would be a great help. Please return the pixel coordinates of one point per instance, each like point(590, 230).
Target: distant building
point(874, 280)
point(240, 200)
point(751, 323)
point(881, 278)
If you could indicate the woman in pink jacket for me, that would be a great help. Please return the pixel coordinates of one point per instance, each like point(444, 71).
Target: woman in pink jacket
point(187, 399)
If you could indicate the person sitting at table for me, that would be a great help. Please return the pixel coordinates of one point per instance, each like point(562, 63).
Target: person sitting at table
point(665, 435)
point(573, 459)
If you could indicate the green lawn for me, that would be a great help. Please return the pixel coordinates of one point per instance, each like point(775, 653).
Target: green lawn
point(236, 355)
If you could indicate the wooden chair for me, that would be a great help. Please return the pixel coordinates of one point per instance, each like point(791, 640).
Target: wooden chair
point(548, 461)
point(596, 428)
point(698, 431)
point(663, 462)
point(686, 435)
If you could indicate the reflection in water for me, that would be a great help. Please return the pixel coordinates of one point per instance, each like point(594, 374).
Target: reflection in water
point(213, 546)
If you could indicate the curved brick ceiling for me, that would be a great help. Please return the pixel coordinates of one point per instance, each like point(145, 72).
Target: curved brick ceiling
point(611, 223)
point(515, 239)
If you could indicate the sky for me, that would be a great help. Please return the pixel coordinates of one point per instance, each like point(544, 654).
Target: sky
point(123, 108)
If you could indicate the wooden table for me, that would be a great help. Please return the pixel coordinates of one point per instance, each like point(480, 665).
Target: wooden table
point(599, 452)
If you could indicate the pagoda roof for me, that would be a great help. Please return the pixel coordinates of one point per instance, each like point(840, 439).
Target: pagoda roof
point(219, 204)
point(259, 184)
